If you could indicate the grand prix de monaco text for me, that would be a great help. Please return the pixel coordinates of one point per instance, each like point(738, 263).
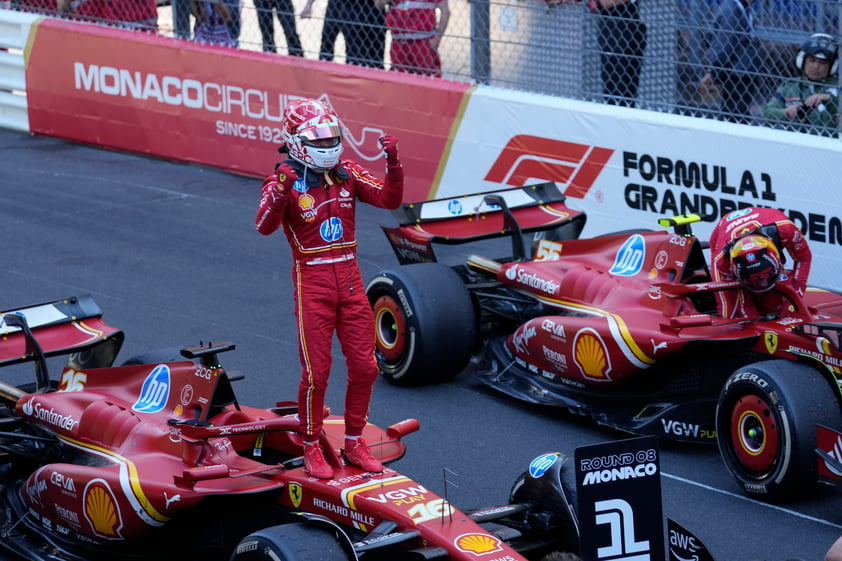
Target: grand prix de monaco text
point(668, 187)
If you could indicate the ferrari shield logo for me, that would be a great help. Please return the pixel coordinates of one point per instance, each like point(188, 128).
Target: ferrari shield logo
point(771, 340)
point(295, 493)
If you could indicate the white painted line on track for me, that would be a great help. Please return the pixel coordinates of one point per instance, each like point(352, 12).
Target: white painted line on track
point(754, 501)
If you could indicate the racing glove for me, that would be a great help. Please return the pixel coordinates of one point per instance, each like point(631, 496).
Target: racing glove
point(286, 177)
point(390, 148)
point(799, 287)
point(273, 199)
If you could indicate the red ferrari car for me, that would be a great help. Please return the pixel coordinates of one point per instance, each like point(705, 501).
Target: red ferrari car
point(157, 459)
point(622, 328)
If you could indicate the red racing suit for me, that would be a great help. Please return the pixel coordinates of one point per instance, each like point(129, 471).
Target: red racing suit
point(773, 224)
point(319, 215)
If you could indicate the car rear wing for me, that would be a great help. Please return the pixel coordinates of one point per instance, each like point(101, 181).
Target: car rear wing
point(479, 216)
point(61, 327)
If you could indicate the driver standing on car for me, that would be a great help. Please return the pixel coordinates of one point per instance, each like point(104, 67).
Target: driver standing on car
point(313, 194)
point(748, 245)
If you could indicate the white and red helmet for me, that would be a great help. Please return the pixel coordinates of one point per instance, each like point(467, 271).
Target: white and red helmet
point(306, 120)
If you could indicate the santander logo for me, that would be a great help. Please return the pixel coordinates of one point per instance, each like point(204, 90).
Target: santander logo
point(532, 280)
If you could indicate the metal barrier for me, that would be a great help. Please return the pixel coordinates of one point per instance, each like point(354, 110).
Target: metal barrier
point(14, 31)
point(553, 47)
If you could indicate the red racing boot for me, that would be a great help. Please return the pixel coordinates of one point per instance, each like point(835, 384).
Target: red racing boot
point(357, 453)
point(315, 463)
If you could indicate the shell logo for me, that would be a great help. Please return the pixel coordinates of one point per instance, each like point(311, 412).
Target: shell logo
point(824, 347)
point(101, 510)
point(478, 544)
point(590, 355)
point(306, 202)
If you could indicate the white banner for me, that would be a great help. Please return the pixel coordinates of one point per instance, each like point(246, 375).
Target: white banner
point(627, 167)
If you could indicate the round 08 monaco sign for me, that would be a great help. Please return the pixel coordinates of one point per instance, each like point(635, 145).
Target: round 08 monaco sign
point(618, 485)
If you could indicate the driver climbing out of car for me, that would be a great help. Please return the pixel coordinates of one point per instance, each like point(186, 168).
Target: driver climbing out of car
point(313, 195)
point(748, 245)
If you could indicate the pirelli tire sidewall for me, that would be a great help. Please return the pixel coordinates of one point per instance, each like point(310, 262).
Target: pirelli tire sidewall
point(305, 541)
point(425, 323)
point(766, 421)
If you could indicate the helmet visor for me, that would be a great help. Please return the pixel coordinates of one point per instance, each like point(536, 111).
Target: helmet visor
point(320, 131)
point(328, 142)
point(760, 281)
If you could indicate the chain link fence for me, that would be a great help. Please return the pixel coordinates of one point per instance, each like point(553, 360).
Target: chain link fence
point(650, 54)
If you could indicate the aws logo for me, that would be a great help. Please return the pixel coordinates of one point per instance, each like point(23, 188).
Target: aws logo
point(571, 165)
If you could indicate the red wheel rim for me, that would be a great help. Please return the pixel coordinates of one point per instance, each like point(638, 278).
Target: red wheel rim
point(389, 328)
point(754, 433)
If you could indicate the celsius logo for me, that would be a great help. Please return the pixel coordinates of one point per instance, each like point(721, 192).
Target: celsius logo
point(155, 391)
point(629, 260)
point(331, 230)
point(527, 158)
point(454, 207)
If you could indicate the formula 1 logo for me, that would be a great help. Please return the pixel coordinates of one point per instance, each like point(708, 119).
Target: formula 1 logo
point(574, 166)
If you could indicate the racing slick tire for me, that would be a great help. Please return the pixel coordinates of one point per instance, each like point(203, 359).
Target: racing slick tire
point(425, 323)
point(766, 421)
point(294, 542)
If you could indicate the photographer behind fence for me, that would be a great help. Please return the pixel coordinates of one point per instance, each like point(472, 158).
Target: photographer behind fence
point(810, 101)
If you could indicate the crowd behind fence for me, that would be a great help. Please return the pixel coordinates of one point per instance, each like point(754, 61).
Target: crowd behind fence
point(570, 49)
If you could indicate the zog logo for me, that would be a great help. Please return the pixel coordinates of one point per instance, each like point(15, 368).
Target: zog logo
point(618, 514)
point(526, 157)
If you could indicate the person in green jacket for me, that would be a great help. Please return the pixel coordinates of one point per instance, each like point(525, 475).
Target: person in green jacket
point(810, 102)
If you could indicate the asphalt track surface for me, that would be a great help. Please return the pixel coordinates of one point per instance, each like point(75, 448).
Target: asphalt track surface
point(170, 253)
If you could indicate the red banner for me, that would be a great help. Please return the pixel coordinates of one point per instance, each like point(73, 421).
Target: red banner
point(222, 107)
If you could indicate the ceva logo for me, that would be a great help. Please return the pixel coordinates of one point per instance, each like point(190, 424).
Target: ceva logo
point(574, 166)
